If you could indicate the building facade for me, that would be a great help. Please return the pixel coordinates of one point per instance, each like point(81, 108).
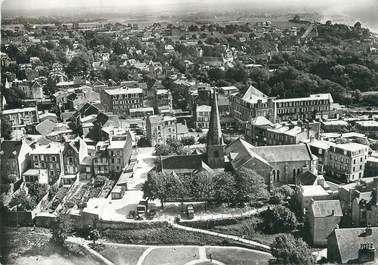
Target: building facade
point(121, 100)
point(161, 128)
point(347, 161)
point(19, 118)
point(48, 157)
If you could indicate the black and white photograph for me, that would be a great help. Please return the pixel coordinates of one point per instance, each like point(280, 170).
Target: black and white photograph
point(189, 132)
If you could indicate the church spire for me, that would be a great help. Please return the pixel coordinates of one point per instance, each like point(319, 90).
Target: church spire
point(214, 135)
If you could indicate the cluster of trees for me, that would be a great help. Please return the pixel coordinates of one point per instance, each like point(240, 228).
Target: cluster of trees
point(245, 186)
point(172, 146)
point(289, 250)
point(279, 219)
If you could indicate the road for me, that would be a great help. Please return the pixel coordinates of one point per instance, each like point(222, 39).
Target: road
point(117, 210)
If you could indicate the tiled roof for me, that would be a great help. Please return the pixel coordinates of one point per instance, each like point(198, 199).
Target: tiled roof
point(349, 241)
point(191, 162)
point(283, 153)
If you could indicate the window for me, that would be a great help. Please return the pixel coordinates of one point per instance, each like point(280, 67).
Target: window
point(278, 175)
point(88, 169)
point(294, 172)
point(216, 153)
point(360, 167)
point(70, 160)
point(51, 172)
point(298, 171)
point(113, 160)
point(354, 169)
point(361, 159)
point(53, 158)
point(119, 161)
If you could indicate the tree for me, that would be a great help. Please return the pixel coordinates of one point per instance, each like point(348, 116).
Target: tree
point(94, 235)
point(224, 188)
point(79, 65)
point(6, 128)
point(162, 150)
point(288, 250)
point(357, 25)
point(250, 185)
point(144, 142)
point(279, 219)
point(203, 186)
point(281, 194)
point(160, 186)
point(59, 230)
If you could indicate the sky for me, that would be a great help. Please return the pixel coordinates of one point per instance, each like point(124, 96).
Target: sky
point(362, 10)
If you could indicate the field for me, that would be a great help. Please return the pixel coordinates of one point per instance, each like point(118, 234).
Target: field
point(27, 247)
point(237, 256)
point(120, 255)
point(171, 255)
point(181, 255)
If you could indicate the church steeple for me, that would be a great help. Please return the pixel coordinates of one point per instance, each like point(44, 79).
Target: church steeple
point(215, 152)
point(214, 135)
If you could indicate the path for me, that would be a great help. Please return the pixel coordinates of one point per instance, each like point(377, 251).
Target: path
point(235, 238)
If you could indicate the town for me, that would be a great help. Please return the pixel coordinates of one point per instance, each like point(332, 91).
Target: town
point(189, 142)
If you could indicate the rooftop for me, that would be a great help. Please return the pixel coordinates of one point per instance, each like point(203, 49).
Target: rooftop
point(124, 91)
point(324, 208)
point(326, 96)
point(313, 191)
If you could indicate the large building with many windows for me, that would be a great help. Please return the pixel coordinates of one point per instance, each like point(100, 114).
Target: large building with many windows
point(254, 103)
point(347, 161)
point(120, 100)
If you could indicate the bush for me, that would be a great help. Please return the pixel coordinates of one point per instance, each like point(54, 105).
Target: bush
point(288, 250)
point(279, 219)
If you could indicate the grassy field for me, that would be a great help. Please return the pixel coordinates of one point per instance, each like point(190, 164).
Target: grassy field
point(27, 247)
point(161, 236)
point(123, 255)
point(173, 255)
point(237, 256)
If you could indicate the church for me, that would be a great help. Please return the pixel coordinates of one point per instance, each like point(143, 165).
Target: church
point(213, 161)
point(277, 164)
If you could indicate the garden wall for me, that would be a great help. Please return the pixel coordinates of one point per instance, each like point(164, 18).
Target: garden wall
point(20, 218)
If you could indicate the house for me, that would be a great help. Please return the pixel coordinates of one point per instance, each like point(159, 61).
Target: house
point(323, 217)
point(353, 245)
point(73, 154)
point(15, 159)
point(48, 157)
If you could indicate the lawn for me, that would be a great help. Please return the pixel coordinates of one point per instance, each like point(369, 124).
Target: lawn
point(235, 256)
point(123, 255)
point(161, 236)
point(171, 255)
point(27, 247)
